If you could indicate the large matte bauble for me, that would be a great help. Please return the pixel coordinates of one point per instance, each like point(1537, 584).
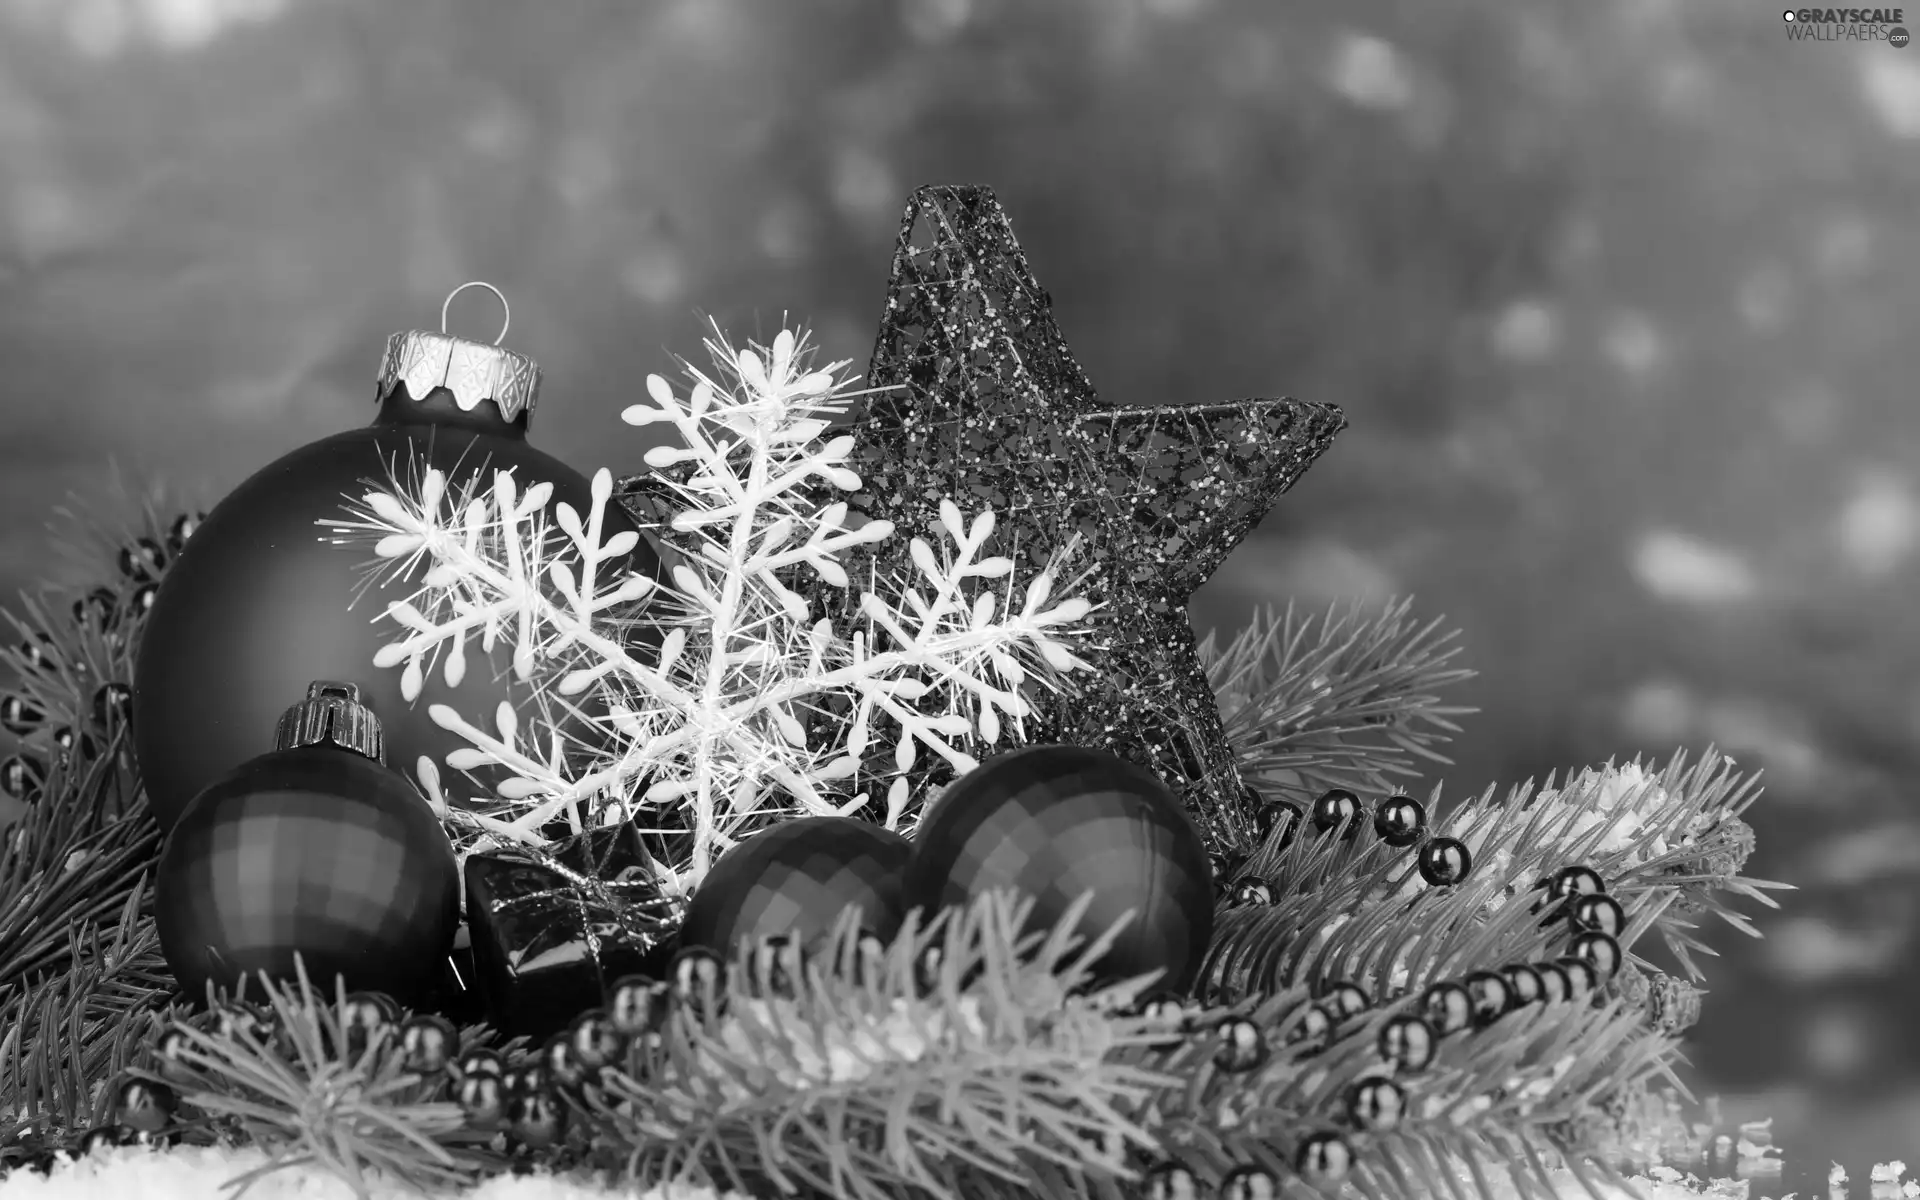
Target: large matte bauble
point(1055, 823)
point(795, 879)
point(313, 851)
point(263, 600)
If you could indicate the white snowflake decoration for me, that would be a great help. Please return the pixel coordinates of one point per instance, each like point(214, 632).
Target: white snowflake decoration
point(719, 720)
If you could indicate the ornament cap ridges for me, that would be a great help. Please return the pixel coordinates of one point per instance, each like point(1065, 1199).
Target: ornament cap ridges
point(332, 714)
point(471, 371)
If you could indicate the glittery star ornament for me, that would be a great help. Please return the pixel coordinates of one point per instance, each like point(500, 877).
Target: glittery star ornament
point(977, 398)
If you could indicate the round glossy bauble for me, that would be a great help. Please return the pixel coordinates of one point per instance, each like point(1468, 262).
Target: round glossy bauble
point(1336, 811)
point(1554, 987)
point(144, 1106)
point(1376, 1105)
point(314, 852)
point(1448, 1006)
point(1399, 821)
point(1240, 1046)
point(1055, 823)
point(1445, 862)
point(1568, 882)
point(1598, 951)
point(1313, 1032)
point(1345, 1000)
point(1250, 1183)
point(1491, 997)
point(1408, 1042)
point(21, 776)
point(1324, 1158)
point(19, 715)
point(1172, 1181)
point(1582, 979)
point(1600, 913)
point(428, 1043)
point(1273, 819)
point(1252, 892)
point(260, 602)
point(1523, 985)
point(795, 879)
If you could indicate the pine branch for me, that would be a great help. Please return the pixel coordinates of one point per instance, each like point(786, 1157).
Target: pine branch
point(1342, 909)
point(874, 1080)
point(1341, 700)
point(1504, 1097)
point(78, 1026)
point(295, 1085)
point(79, 961)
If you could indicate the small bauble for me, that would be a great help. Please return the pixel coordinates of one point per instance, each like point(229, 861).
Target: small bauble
point(1600, 913)
point(1598, 951)
point(143, 560)
point(1345, 1000)
point(21, 776)
point(1240, 1046)
point(1408, 1042)
point(482, 1100)
point(1582, 979)
point(1445, 862)
point(637, 1007)
point(1376, 1105)
point(1523, 985)
point(1491, 997)
point(262, 599)
point(1252, 892)
point(1250, 1183)
point(427, 1043)
point(1055, 823)
point(314, 852)
point(477, 1061)
point(1448, 1006)
point(1568, 882)
point(596, 1043)
point(795, 880)
point(144, 1106)
point(1399, 821)
point(19, 715)
point(698, 981)
point(1324, 1158)
point(112, 705)
point(1274, 821)
point(1172, 1181)
point(1554, 987)
point(1336, 811)
point(1313, 1031)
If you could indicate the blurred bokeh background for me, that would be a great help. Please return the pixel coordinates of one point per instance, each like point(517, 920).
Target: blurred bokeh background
point(1615, 293)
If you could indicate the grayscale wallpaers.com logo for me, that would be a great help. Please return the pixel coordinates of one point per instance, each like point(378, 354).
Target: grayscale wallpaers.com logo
point(1848, 25)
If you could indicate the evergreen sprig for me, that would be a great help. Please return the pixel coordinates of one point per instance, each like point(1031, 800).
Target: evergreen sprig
point(1342, 907)
point(81, 1026)
point(867, 1075)
point(1336, 700)
point(286, 1077)
point(79, 961)
point(1004, 1072)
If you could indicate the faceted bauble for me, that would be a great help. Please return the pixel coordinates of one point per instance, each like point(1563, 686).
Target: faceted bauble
point(258, 603)
point(795, 880)
point(316, 852)
point(1055, 823)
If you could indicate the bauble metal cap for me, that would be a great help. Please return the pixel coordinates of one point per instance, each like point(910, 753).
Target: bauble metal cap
point(472, 371)
point(332, 715)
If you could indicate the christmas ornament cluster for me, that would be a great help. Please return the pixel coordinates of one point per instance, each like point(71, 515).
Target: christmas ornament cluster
point(582, 770)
